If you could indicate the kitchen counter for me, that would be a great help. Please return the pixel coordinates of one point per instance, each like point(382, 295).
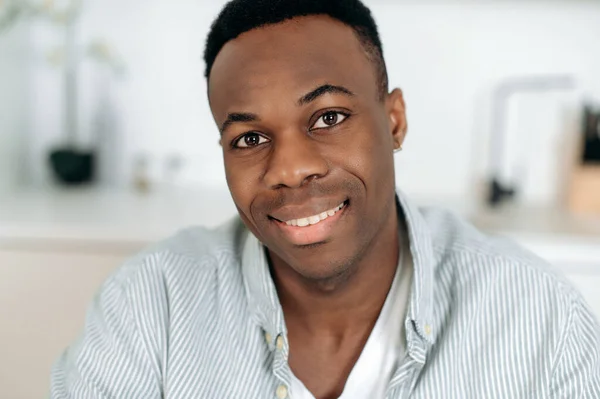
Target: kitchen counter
point(84, 219)
point(553, 233)
point(88, 219)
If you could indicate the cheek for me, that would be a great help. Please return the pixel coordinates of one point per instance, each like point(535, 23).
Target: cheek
point(381, 149)
point(368, 155)
point(244, 179)
point(240, 183)
point(244, 188)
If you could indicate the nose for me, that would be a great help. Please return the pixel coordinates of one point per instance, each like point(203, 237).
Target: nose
point(294, 161)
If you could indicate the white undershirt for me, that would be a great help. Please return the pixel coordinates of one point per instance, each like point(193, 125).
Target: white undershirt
point(385, 347)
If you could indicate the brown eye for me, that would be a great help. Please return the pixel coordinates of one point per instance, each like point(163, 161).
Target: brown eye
point(250, 140)
point(329, 119)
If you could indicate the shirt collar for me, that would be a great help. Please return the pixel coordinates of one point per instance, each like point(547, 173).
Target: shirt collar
point(420, 311)
point(260, 288)
point(262, 294)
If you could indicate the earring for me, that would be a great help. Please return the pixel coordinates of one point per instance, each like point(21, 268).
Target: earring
point(396, 150)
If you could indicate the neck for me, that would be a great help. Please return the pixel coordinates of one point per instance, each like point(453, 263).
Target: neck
point(345, 303)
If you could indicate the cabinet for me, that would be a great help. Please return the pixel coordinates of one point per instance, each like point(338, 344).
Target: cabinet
point(43, 298)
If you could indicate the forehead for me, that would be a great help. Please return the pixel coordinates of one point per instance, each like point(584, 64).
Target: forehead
point(287, 59)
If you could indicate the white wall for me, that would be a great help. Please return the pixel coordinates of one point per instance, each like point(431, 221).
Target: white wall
point(13, 105)
point(447, 57)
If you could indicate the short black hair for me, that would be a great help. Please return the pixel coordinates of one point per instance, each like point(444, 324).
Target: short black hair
point(239, 16)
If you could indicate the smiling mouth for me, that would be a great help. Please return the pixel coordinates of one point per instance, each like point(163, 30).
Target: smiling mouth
point(315, 219)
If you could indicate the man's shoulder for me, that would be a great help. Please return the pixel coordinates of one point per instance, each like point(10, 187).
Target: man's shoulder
point(491, 296)
point(191, 251)
point(202, 243)
point(477, 261)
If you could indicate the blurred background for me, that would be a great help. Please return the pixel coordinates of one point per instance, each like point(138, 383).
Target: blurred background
point(107, 142)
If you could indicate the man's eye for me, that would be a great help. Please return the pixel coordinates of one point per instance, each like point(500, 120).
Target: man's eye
point(329, 119)
point(250, 140)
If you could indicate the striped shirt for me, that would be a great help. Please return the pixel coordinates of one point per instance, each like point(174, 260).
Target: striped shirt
point(198, 316)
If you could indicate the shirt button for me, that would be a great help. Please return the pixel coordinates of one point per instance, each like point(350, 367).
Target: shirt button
point(427, 329)
point(268, 338)
point(282, 392)
point(280, 342)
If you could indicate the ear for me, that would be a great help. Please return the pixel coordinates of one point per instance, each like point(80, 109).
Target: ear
point(396, 111)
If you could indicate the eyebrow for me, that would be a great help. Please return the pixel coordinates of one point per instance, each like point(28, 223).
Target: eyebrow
point(322, 90)
point(238, 117)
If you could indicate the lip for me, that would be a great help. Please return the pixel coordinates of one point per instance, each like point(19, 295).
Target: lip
point(313, 234)
point(291, 212)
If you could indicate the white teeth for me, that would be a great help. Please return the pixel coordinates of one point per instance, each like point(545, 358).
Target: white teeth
point(303, 222)
point(311, 220)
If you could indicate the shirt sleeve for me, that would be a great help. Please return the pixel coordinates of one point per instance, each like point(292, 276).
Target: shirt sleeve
point(577, 371)
point(110, 359)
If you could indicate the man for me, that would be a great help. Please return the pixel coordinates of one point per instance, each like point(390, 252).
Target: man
point(330, 284)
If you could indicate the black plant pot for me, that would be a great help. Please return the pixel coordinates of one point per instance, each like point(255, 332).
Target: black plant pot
point(72, 167)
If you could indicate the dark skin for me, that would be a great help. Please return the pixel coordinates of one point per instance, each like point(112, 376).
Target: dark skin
point(304, 128)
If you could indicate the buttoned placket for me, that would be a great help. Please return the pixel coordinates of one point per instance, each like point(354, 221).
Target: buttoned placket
point(405, 377)
point(280, 366)
point(267, 313)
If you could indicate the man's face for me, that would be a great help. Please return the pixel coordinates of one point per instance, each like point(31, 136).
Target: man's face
point(307, 142)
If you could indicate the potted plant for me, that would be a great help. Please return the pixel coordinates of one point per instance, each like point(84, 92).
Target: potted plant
point(71, 164)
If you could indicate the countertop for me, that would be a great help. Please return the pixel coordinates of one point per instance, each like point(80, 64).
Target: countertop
point(93, 219)
point(117, 219)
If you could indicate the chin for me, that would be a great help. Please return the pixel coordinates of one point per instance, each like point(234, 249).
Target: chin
point(319, 263)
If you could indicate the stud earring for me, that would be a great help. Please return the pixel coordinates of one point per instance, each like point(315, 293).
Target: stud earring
point(396, 150)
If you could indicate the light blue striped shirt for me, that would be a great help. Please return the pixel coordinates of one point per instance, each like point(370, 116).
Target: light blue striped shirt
point(188, 319)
